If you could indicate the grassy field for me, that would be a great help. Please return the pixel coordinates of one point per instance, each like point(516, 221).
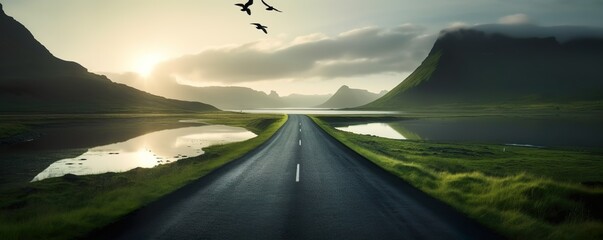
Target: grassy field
point(8, 130)
point(523, 193)
point(71, 206)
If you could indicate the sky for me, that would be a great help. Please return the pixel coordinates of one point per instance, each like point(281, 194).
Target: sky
point(313, 47)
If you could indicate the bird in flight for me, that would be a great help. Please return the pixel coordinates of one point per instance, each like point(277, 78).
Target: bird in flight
point(270, 8)
point(261, 27)
point(245, 7)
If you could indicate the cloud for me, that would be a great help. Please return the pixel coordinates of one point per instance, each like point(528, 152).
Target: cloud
point(457, 25)
point(561, 33)
point(358, 52)
point(515, 19)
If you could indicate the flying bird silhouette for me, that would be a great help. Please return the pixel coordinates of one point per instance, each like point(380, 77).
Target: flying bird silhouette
point(270, 8)
point(245, 7)
point(261, 27)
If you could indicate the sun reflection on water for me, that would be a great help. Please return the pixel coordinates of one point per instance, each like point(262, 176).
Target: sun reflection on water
point(145, 158)
point(146, 151)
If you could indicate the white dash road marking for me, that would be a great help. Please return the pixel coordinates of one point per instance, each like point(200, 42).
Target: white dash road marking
point(300, 142)
point(297, 174)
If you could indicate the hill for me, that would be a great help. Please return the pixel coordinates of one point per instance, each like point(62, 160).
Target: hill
point(230, 98)
point(305, 101)
point(223, 97)
point(347, 97)
point(33, 80)
point(493, 65)
point(236, 98)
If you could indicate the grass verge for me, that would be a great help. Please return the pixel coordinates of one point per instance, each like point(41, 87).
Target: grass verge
point(10, 131)
point(71, 206)
point(523, 193)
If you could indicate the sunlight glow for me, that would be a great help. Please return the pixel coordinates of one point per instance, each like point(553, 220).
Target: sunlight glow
point(146, 158)
point(146, 64)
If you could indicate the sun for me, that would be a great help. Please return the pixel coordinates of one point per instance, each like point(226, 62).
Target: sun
point(146, 64)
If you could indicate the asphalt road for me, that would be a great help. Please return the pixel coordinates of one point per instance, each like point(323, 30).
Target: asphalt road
point(335, 194)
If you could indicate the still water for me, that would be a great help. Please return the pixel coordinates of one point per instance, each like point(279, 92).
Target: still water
point(316, 111)
point(376, 129)
point(562, 132)
point(146, 151)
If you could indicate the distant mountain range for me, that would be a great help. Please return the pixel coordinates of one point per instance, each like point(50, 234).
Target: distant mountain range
point(226, 98)
point(33, 80)
point(347, 97)
point(223, 97)
point(235, 98)
point(491, 65)
point(305, 101)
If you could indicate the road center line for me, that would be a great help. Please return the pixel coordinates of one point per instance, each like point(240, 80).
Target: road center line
point(297, 174)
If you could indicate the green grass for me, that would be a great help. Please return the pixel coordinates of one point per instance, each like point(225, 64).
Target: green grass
point(522, 193)
point(519, 107)
point(71, 206)
point(422, 73)
point(12, 129)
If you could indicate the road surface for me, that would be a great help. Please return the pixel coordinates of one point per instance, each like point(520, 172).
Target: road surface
point(301, 184)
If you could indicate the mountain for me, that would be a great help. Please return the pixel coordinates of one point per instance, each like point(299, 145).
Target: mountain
point(236, 98)
point(492, 65)
point(33, 80)
point(347, 97)
point(304, 101)
point(229, 97)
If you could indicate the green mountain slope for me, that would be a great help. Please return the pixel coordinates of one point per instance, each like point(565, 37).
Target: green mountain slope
point(470, 68)
point(422, 73)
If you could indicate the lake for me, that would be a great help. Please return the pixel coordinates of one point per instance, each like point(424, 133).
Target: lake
point(377, 129)
point(316, 111)
point(63, 143)
point(553, 132)
point(146, 151)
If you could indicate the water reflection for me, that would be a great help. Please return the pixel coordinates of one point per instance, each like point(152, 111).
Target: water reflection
point(316, 111)
point(533, 132)
point(376, 129)
point(146, 151)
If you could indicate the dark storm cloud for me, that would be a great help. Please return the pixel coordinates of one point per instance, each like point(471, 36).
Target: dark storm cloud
point(358, 52)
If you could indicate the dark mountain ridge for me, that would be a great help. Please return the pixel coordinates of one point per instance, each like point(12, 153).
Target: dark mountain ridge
point(34, 80)
point(347, 97)
point(471, 67)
